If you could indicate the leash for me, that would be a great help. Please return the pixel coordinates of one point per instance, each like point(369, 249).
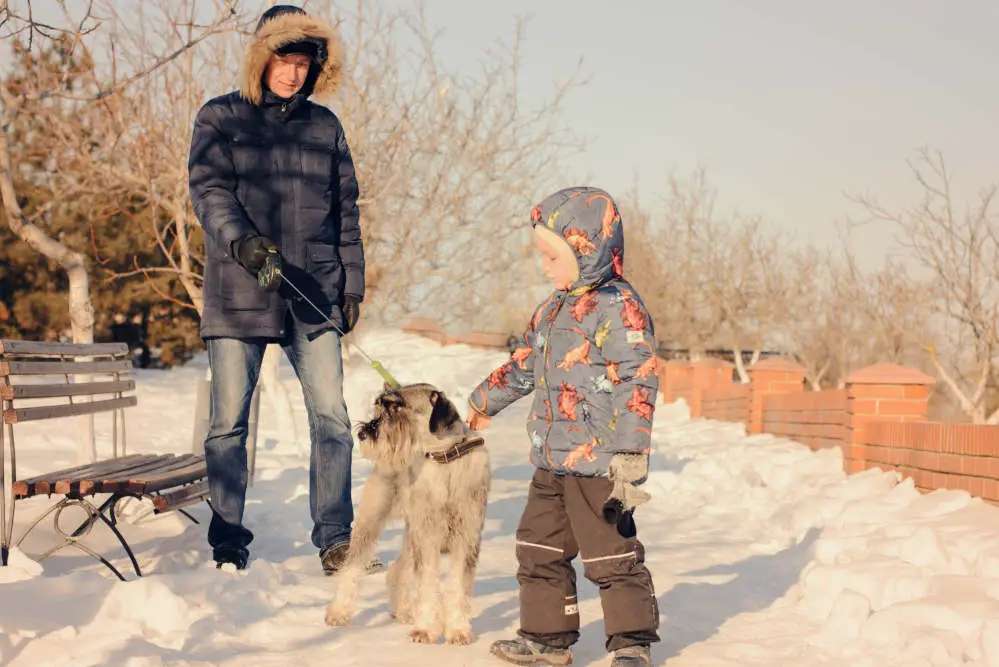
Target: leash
point(272, 270)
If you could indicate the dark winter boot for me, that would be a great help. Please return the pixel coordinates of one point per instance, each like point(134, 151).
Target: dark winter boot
point(632, 656)
point(235, 555)
point(332, 558)
point(521, 651)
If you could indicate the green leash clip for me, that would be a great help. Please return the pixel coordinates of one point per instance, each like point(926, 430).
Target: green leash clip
point(392, 382)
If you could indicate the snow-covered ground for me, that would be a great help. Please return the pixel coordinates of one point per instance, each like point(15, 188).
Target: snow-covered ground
point(763, 553)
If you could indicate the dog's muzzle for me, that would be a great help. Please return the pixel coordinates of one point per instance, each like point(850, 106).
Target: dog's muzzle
point(369, 430)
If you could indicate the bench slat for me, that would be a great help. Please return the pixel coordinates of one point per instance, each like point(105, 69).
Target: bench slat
point(42, 484)
point(34, 347)
point(60, 367)
point(193, 471)
point(133, 474)
point(67, 483)
point(116, 479)
point(9, 393)
point(18, 415)
point(132, 480)
point(188, 495)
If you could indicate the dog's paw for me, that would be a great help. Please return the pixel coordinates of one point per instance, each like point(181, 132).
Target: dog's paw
point(335, 616)
point(459, 636)
point(422, 636)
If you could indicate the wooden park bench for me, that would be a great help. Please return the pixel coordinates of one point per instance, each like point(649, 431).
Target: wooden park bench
point(40, 381)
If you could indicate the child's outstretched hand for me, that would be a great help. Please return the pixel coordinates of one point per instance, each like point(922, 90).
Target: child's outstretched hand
point(478, 422)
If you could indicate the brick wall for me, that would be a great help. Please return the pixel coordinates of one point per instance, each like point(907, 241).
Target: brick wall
point(878, 421)
point(730, 404)
point(818, 419)
point(685, 389)
point(937, 455)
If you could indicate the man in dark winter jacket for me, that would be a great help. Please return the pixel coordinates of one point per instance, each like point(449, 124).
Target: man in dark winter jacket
point(271, 178)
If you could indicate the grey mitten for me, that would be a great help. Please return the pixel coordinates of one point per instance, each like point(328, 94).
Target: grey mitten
point(626, 471)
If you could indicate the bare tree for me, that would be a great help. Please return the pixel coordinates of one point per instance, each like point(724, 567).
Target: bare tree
point(449, 166)
point(45, 92)
point(959, 254)
point(746, 284)
point(669, 258)
point(893, 305)
point(23, 33)
point(447, 163)
point(824, 328)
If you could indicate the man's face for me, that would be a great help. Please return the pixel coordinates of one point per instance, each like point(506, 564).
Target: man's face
point(285, 75)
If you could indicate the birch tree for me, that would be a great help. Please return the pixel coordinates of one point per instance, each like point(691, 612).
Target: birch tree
point(42, 90)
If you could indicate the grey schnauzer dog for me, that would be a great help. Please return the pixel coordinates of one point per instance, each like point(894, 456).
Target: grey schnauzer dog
point(435, 474)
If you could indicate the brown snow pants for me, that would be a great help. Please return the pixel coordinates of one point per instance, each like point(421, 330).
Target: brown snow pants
point(563, 518)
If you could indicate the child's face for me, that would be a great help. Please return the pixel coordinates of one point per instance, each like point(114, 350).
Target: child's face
point(558, 263)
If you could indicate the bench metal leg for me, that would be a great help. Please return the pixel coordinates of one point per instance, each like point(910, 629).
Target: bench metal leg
point(193, 520)
point(111, 521)
point(74, 538)
point(6, 490)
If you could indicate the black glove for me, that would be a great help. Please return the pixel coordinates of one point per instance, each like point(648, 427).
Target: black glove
point(616, 515)
point(351, 311)
point(258, 255)
point(251, 252)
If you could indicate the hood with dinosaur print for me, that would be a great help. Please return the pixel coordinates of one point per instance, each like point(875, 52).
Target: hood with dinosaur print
point(588, 221)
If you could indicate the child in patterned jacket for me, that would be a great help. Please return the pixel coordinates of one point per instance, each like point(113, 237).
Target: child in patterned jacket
point(589, 356)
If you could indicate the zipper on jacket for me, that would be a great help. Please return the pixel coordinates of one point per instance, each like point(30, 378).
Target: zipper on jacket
point(548, 385)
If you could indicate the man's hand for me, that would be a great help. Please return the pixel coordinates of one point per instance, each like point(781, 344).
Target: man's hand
point(351, 311)
point(251, 252)
point(478, 421)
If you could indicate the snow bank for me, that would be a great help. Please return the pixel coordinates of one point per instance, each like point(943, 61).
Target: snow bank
point(762, 552)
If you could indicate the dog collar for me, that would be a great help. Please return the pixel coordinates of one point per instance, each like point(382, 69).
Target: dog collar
point(455, 452)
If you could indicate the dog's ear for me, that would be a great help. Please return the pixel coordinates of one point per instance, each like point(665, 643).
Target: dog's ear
point(444, 414)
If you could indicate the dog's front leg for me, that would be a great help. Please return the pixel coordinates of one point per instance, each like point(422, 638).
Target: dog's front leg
point(377, 498)
point(464, 545)
point(400, 580)
point(427, 539)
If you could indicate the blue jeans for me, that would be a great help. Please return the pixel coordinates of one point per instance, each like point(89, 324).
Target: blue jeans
point(235, 366)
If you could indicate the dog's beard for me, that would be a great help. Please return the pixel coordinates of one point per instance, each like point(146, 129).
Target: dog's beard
point(389, 440)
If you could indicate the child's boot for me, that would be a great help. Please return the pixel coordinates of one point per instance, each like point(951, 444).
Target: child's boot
point(521, 651)
point(632, 656)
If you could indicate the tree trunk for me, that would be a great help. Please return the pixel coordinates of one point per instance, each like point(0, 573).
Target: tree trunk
point(740, 365)
point(81, 311)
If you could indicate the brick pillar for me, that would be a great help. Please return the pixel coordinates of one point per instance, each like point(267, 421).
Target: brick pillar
point(675, 371)
point(705, 375)
point(882, 392)
point(771, 376)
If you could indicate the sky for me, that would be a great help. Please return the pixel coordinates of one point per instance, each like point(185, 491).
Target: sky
point(790, 106)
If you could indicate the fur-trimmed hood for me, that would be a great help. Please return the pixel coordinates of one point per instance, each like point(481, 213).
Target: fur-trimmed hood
point(283, 29)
